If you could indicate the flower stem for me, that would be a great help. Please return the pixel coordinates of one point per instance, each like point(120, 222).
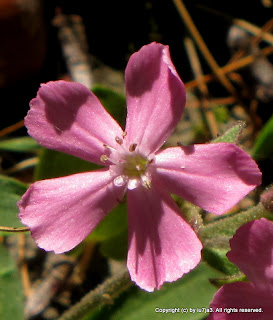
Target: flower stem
point(226, 226)
point(192, 215)
point(103, 294)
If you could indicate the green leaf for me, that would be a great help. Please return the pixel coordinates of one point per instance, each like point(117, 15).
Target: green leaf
point(216, 257)
point(112, 225)
point(54, 164)
point(192, 291)
point(116, 247)
point(226, 226)
point(263, 146)
point(221, 113)
point(11, 291)
point(112, 233)
point(232, 134)
point(113, 102)
point(11, 192)
point(218, 282)
point(23, 144)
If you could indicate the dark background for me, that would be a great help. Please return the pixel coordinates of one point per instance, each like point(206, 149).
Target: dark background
point(115, 29)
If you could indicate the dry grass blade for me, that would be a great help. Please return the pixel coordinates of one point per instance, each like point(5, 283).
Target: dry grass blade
point(258, 32)
point(197, 70)
point(12, 128)
point(202, 46)
point(230, 68)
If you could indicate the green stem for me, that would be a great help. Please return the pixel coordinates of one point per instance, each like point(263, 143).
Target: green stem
point(103, 294)
point(192, 215)
point(227, 225)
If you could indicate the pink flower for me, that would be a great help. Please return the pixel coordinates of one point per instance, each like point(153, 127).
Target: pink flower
point(252, 252)
point(61, 212)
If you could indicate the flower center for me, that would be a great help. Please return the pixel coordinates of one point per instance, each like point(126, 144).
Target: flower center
point(128, 165)
point(134, 166)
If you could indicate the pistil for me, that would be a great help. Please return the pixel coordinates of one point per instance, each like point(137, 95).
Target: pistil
point(127, 165)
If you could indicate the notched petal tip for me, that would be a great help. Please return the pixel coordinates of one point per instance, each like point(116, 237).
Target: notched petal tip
point(167, 59)
point(146, 284)
point(213, 176)
point(61, 212)
point(246, 168)
point(68, 117)
point(162, 246)
point(155, 97)
point(61, 101)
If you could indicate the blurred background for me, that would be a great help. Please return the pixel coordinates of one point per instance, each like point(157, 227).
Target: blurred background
point(31, 50)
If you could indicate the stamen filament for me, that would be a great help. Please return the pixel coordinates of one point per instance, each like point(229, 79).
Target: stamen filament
point(108, 147)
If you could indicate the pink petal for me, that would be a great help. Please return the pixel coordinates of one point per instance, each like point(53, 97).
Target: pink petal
point(67, 117)
point(241, 295)
point(162, 246)
point(61, 212)
point(252, 252)
point(213, 176)
point(155, 97)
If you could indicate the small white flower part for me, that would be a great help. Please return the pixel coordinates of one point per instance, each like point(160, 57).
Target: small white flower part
point(133, 183)
point(146, 182)
point(129, 167)
point(120, 181)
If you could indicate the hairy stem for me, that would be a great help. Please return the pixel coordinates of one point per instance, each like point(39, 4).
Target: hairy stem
point(103, 294)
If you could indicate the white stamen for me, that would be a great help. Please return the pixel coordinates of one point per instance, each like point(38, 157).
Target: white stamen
point(129, 168)
point(108, 147)
point(146, 182)
point(104, 158)
point(133, 183)
point(120, 181)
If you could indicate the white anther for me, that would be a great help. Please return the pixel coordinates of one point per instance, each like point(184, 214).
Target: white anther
point(120, 181)
point(133, 183)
